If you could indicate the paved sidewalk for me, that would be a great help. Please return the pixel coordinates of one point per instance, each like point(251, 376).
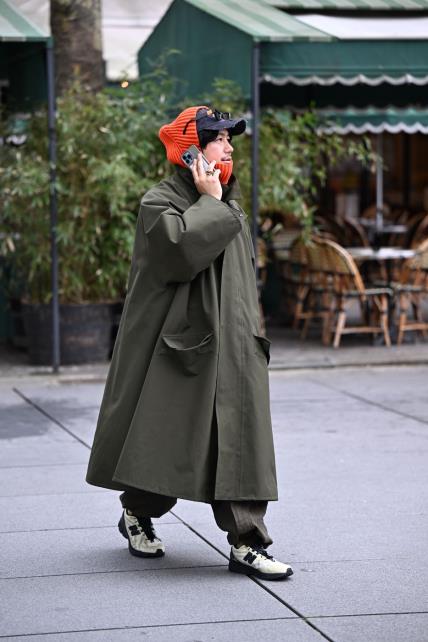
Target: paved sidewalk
point(352, 519)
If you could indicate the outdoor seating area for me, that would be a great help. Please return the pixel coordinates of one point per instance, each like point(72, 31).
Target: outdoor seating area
point(340, 287)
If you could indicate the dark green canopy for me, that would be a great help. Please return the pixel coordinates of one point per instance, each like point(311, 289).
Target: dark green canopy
point(215, 39)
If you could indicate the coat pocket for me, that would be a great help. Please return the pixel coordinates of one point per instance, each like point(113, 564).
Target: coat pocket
point(187, 350)
point(262, 347)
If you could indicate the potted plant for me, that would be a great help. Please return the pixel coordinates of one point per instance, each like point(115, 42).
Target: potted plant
point(108, 155)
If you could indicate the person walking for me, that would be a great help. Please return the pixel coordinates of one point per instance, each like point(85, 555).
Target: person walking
point(185, 412)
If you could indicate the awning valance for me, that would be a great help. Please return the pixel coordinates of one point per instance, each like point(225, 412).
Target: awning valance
point(374, 121)
point(347, 62)
point(350, 5)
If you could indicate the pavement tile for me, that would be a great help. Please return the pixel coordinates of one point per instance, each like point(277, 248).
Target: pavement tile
point(298, 537)
point(82, 395)
point(283, 630)
point(97, 551)
point(76, 602)
point(45, 480)
point(295, 387)
point(339, 532)
point(56, 512)
point(351, 520)
point(376, 628)
point(76, 406)
point(399, 389)
point(42, 450)
point(27, 437)
point(21, 421)
point(355, 588)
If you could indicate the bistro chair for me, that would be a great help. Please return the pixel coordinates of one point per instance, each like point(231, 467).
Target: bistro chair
point(420, 232)
point(411, 291)
point(356, 234)
point(320, 295)
point(348, 287)
point(399, 216)
point(328, 227)
point(413, 225)
point(370, 212)
point(295, 279)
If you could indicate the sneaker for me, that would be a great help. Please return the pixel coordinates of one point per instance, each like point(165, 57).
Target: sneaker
point(141, 536)
point(255, 560)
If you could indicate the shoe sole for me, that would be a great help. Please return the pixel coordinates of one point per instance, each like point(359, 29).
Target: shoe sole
point(237, 567)
point(122, 529)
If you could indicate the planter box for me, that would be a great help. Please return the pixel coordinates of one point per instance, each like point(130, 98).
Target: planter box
point(85, 332)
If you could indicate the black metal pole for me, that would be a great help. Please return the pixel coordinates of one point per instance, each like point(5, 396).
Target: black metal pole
point(53, 204)
point(407, 169)
point(255, 108)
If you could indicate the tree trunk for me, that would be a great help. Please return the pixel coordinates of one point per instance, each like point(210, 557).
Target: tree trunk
point(76, 30)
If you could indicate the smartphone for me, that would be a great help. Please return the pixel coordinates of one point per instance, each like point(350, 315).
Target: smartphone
point(190, 155)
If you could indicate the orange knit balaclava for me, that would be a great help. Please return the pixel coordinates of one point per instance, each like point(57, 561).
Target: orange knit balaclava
point(176, 142)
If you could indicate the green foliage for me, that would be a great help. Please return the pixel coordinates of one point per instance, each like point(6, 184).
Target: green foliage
point(109, 154)
point(295, 157)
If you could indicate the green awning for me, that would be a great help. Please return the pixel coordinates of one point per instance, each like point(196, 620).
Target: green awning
point(347, 62)
point(374, 121)
point(215, 39)
point(351, 5)
point(14, 27)
point(259, 21)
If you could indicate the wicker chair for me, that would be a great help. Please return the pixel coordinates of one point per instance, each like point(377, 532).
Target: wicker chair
point(320, 296)
point(370, 212)
point(420, 233)
point(411, 290)
point(348, 286)
point(296, 279)
point(413, 223)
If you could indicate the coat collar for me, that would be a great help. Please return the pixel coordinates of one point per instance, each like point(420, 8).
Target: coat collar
point(231, 191)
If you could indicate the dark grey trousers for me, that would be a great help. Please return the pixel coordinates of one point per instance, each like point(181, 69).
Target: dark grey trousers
point(241, 520)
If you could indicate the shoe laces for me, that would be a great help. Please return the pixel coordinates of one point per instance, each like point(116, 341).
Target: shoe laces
point(260, 550)
point(145, 523)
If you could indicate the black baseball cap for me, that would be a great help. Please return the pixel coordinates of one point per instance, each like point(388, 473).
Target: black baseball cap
point(212, 119)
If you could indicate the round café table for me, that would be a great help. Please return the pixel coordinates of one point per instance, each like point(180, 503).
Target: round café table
point(387, 256)
point(380, 254)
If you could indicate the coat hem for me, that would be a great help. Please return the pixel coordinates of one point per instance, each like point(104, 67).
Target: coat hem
point(123, 485)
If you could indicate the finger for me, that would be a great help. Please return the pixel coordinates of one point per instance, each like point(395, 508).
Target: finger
point(200, 164)
point(194, 169)
point(211, 166)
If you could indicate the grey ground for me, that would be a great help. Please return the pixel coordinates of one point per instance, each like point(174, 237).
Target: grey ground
point(352, 520)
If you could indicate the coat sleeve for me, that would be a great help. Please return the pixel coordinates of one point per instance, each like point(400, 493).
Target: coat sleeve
point(182, 244)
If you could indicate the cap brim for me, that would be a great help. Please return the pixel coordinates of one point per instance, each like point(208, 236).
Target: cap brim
point(234, 126)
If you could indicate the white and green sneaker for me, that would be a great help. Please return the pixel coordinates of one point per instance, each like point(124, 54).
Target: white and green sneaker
point(141, 536)
point(255, 560)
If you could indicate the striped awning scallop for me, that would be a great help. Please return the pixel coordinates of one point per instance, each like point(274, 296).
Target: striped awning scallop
point(372, 120)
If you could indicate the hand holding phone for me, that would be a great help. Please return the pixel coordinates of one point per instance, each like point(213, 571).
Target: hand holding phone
point(191, 154)
point(206, 178)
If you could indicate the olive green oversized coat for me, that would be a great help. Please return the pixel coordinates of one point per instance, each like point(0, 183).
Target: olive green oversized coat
point(188, 351)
